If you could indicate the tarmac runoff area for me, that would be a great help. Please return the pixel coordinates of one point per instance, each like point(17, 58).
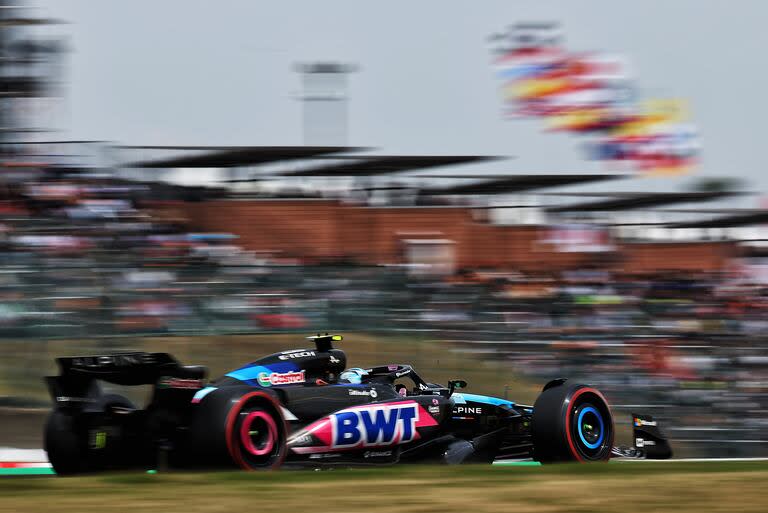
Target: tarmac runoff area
point(34, 462)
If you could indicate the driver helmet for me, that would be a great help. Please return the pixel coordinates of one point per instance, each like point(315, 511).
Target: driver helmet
point(353, 375)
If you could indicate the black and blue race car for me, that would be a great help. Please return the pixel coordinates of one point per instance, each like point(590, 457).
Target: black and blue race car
point(304, 407)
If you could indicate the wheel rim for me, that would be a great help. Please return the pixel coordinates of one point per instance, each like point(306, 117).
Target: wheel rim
point(237, 447)
point(258, 433)
point(591, 427)
point(590, 430)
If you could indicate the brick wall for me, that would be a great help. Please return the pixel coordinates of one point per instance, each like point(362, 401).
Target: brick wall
point(684, 256)
point(325, 229)
point(376, 234)
point(291, 228)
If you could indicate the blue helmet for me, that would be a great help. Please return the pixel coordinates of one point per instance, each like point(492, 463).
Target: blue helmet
point(353, 375)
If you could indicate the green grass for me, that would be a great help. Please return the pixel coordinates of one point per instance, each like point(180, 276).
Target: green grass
point(669, 486)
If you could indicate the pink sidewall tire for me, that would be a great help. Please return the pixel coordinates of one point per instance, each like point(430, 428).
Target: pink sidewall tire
point(256, 432)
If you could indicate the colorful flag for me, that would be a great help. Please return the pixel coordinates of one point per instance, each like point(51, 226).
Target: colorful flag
point(592, 94)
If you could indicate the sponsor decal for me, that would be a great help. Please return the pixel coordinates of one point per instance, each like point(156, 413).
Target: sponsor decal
point(304, 439)
point(375, 426)
point(377, 454)
point(171, 382)
point(296, 354)
point(67, 399)
point(639, 442)
point(391, 368)
point(402, 373)
point(116, 360)
point(333, 359)
point(434, 410)
point(468, 410)
point(367, 426)
point(372, 393)
point(422, 386)
point(278, 378)
point(324, 456)
point(435, 402)
point(640, 422)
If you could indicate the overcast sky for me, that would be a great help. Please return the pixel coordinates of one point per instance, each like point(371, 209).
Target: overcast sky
point(221, 73)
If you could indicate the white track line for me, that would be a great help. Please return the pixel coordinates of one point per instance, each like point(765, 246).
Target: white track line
point(25, 455)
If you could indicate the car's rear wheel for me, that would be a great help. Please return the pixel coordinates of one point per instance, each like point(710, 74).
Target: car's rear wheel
point(256, 433)
point(67, 438)
point(572, 423)
point(65, 448)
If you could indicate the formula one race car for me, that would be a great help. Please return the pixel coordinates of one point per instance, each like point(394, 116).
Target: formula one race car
point(301, 407)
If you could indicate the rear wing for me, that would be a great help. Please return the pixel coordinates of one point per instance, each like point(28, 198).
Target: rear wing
point(136, 368)
point(77, 382)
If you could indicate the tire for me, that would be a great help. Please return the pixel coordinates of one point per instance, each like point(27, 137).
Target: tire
point(219, 434)
point(66, 448)
point(66, 439)
point(572, 423)
point(256, 433)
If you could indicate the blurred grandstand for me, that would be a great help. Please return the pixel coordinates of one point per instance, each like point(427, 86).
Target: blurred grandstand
point(672, 325)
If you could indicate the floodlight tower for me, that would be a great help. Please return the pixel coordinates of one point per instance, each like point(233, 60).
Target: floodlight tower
point(324, 102)
point(29, 72)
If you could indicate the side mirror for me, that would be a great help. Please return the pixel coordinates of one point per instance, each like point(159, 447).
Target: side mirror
point(456, 384)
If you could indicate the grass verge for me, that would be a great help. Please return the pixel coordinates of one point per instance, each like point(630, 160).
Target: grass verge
point(663, 487)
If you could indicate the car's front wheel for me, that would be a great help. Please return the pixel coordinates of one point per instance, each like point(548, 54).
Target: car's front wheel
point(572, 423)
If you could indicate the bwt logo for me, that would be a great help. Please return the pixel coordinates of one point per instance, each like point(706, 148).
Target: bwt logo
point(375, 426)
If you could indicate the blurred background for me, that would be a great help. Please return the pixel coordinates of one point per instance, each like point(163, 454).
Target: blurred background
point(505, 193)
